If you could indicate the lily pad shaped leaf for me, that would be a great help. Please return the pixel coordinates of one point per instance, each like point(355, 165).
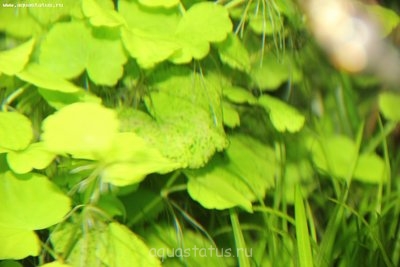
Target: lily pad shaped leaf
point(148, 36)
point(14, 60)
point(29, 202)
point(80, 128)
point(283, 116)
point(203, 23)
point(131, 158)
point(239, 178)
point(188, 112)
point(71, 47)
point(15, 131)
point(33, 157)
point(233, 53)
point(336, 155)
point(101, 16)
point(112, 245)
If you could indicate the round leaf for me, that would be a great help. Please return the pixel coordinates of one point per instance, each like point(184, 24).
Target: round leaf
point(15, 131)
point(80, 128)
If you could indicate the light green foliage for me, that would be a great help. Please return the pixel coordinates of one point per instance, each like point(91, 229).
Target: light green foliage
point(15, 131)
point(149, 35)
point(159, 3)
point(336, 155)
point(80, 129)
point(18, 23)
point(35, 156)
point(58, 99)
point(239, 95)
point(130, 159)
point(100, 16)
point(192, 250)
point(389, 105)
point(41, 77)
point(283, 116)
point(271, 72)
point(29, 202)
point(72, 47)
point(225, 182)
point(191, 124)
point(203, 23)
point(186, 107)
point(13, 61)
point(110, 245)
point(233, 53)
point(156, 34)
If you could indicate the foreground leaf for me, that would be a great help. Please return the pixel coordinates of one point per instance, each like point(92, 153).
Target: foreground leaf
point(71, 47)
point(13, 61)
point(131, 158)
point(15, 131)
point(111, 245)
point(80, 128)
point(29, 202)
point(237, 180)
point(33, 157)
point(203, 23)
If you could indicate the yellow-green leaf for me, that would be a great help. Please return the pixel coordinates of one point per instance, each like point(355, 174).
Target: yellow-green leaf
point(87, 128)
point(15, 131)
point(33, 157)
point(14, 60)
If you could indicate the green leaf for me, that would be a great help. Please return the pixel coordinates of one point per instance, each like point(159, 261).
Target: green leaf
point(283, 117)
point(14, 60)
point(130, 159)
point(71, 47)
point(41, 77)
point(230, 115)
point(59, 100)
point(191, 137)
point(18, 23)
point(261, 23)
point(272, 72)
point(239, 95)
point(237, 180)
point(370, 169)
point(80, 128)
point(149, 35)
point(389, 105)
point(29, 202)
point(194, 249)
point(159, 3)
point(15, 131)
point(203, 23)
point(233, 53)
point(214, 188)
point(112, 245)
point(148, 50)
point(12, 238)
point(334, 155)
point(33, 157)
point(54, 11)
point(100, 15)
